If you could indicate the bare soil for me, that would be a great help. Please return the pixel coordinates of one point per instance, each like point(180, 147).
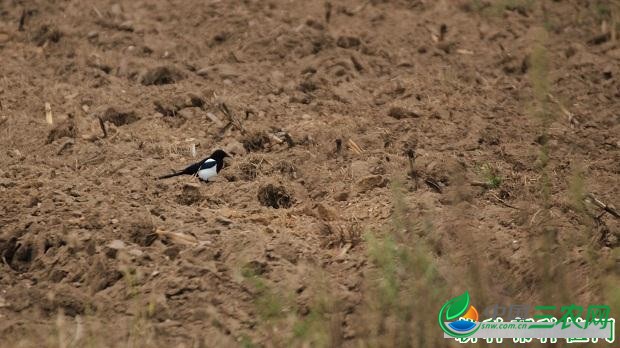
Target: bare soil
point(321, 104)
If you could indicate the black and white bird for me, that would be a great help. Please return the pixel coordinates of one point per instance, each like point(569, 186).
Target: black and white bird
point(205, 169)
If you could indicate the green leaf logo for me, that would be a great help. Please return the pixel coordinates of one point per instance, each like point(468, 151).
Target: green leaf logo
point(452, 311)
point(457, 306)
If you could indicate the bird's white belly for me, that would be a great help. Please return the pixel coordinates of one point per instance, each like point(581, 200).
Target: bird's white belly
point(205, 174)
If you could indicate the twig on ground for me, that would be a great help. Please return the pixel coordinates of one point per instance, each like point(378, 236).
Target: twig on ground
point(503, 201)
point(98, 13)
point(432, 183)
point(606, 207)
point(412, 172)
point(65, 146)
point(22, 20)
point(102, 125)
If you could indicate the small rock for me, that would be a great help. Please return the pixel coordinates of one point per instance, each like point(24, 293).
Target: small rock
point(607, 72)
point(173, 251)
point(112, 248)
point(116, 244)
point(126, 25)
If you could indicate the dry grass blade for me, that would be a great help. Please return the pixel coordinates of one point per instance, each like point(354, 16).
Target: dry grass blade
point(569, 115)
point(215, 120)
point(354, 147)
point(48, 114)
point(176, 237)
point(506, 204)
point(275, 138)
point(465, 52)
point(232, 119)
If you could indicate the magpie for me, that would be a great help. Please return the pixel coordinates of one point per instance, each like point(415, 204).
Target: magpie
point(205, 169)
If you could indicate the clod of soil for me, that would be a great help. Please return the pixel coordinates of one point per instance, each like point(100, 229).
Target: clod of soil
point(18, 254)
point(190, 195)
point(400, 113)
point(119, 118)
point(69, 300)
point(162, 75)
point(248, 171)
point(101, 276)
point(64, 129)
point(254, 268)
point(308, 86)
point(46, 33)
point(348, 42)
point(255, 141)
point(274, 196)
point(142, 233)
point(286, 168)
point(370, 182)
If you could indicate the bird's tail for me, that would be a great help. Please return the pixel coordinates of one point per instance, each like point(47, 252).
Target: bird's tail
point(170, 175)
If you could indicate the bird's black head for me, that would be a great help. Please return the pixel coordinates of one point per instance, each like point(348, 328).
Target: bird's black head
point(219, 155)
